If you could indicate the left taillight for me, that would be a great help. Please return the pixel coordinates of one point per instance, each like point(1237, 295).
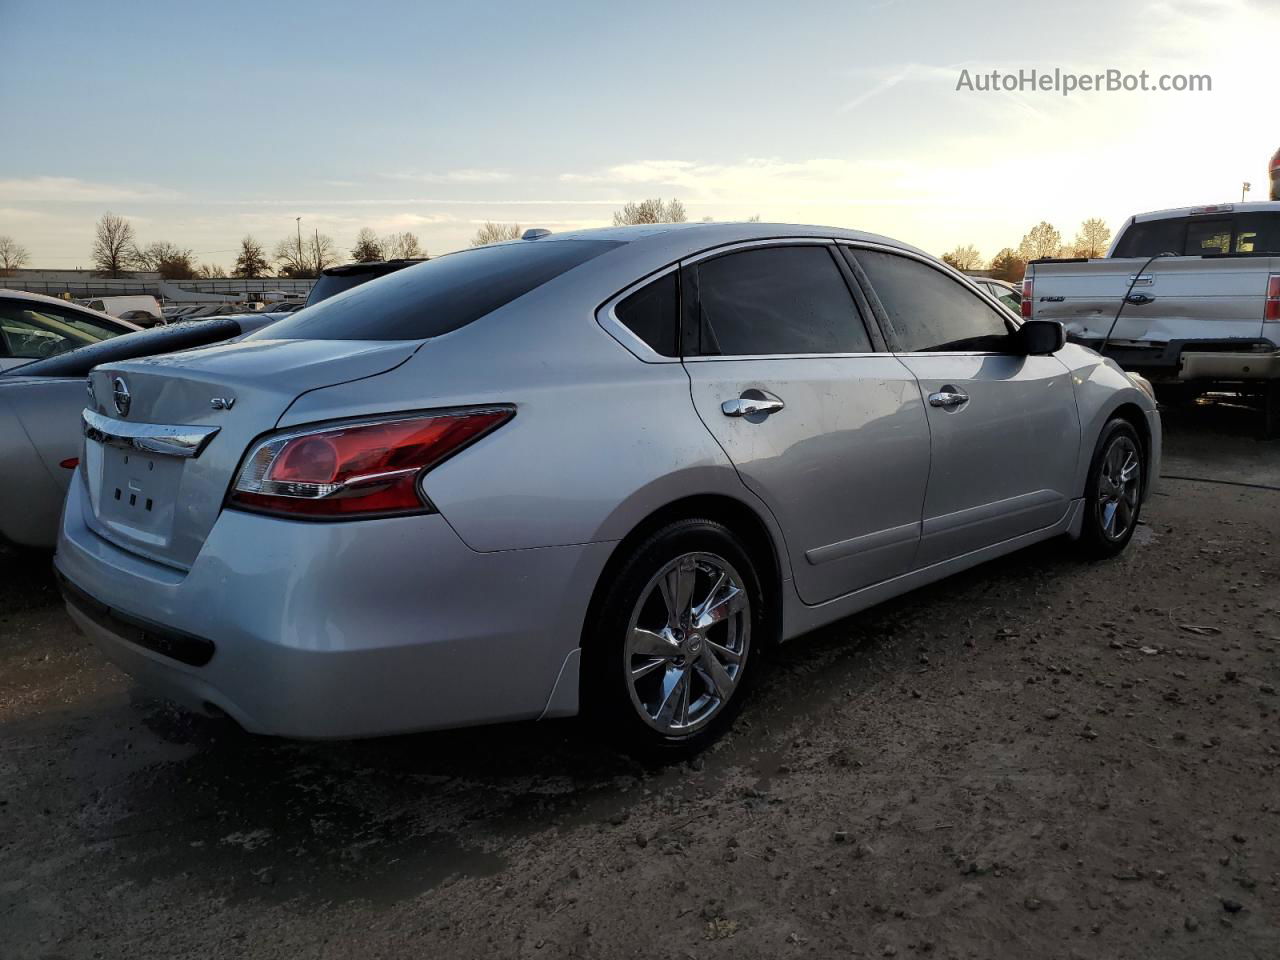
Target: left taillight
point(1271, 311)
point(358, 469)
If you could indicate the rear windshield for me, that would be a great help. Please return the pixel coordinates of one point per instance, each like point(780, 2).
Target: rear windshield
point(438, 296)
point(1239, 235)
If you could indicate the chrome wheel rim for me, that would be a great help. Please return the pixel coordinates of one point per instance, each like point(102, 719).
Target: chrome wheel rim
point(687, 643)
point(1119, 488)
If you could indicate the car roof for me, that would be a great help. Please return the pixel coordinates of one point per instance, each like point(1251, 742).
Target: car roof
point(8, 294)
point(667, 242)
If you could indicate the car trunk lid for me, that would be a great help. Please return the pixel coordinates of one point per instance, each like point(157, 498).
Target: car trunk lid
point(164, 435)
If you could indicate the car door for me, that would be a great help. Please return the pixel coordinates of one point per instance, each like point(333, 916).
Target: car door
point(1005, 432)
point(826, 429)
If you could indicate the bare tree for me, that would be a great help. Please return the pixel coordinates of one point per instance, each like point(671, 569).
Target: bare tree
point(1042, 240)
point(491, 232)
point(113, 244)
point(321, 251)
point(168, 259)
point(210, 271)
point(290, 258)
point(964, 258)
point(251, 262)
point(12, 255)
point(368, 247)
point(1008, 266)
point(402, 246)
point(305, 260)
point(1093, 239)
point(650, 211)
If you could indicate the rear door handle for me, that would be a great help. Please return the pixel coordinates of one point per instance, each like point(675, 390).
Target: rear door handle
point(752, 402)
point(948, 399)
point(1139, 299)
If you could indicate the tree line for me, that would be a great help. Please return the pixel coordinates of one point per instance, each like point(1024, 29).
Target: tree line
point(1043, 240)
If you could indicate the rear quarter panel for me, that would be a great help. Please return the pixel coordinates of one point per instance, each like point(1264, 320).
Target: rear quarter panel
point(600, 439)
point(39, 428)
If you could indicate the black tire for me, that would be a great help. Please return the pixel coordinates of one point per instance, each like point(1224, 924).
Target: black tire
point(1098, 538)
point(1271, 410)
point(610, 702)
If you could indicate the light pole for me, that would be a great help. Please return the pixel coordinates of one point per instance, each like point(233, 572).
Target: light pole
point(298, 221)
point(1245, 188)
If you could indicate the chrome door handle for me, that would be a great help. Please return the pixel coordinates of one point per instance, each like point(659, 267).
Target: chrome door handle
point(746, 406)
point(948, 399)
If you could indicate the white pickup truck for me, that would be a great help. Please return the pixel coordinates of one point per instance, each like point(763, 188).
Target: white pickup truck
point(1190, 298)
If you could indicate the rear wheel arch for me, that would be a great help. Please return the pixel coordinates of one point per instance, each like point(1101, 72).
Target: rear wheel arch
point(735, 515)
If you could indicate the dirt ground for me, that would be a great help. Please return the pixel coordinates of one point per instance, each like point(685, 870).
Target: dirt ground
point(1039, 758)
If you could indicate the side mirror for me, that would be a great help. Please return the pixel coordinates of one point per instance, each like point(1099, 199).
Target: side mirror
point(1041, 337)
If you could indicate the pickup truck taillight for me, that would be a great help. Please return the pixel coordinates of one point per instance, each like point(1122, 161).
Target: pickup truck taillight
point(354, 470)
point(1028, 284)
point(1271, 314)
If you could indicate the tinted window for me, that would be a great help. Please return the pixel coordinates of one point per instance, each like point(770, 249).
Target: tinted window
point(438, 296)
point(777, 300)
point(1243, 234)
point(1207, 236)
point(929, 310)
point(651, 314)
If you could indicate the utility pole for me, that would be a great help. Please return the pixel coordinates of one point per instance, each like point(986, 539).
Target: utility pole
point(317, 253)
point(298, 220)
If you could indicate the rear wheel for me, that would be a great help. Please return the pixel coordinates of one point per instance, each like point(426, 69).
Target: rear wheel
point(678, 642)
point(1113, 494)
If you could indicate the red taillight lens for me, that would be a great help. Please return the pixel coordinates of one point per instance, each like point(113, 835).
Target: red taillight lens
point(70, 463)
point(356, 469)
point(1271, 313)
point(1027, 285)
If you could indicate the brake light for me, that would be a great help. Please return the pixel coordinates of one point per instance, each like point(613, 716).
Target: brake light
point(1028, 287)
point(357, 469)
point(70, 463)
point(1271, 313)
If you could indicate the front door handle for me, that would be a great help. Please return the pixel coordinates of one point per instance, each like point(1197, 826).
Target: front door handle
point(1139, 299)
point(751, 403)
point(948, 399)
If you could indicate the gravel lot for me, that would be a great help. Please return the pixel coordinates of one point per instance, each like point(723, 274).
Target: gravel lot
point(1039, 758)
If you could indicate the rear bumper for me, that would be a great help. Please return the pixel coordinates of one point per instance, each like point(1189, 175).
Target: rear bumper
point(337, 630)
point(1185, 360)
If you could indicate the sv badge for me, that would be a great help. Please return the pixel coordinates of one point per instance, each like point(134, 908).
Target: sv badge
point(222, 403)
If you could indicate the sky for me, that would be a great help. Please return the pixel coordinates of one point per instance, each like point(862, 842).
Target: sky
point(202, 123)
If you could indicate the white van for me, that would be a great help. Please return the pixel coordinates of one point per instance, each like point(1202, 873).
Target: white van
point(142, 310)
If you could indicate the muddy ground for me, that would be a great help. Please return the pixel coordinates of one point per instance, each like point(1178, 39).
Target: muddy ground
point(1039, 758)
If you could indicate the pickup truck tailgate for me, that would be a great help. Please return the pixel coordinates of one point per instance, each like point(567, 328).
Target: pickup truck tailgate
point(1174, 298)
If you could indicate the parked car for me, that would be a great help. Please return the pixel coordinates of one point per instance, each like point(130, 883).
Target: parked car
point(1188, 297)
point(40, 425)
point(143, 310)
point(1006, 293)
point(333, 280)
point(33, 326)
point(601, 471)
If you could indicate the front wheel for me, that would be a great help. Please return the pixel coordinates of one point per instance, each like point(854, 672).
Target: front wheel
point(678, 640)
point(1113, 493)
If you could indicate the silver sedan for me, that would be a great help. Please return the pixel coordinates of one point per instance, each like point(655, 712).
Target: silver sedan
point(599, 472)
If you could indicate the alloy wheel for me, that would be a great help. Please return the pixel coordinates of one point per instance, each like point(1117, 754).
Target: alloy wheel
point(687, 643)
point(1119, 488)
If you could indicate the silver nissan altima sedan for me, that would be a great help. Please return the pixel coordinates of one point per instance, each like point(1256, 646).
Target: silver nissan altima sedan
point(599, 472)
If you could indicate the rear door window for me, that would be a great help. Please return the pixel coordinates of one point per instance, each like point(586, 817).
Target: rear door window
point(771, 301)
point(931, 312)
point(437, 296)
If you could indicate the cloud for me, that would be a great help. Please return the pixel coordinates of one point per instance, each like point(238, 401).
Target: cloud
point(74, 190)
point(467, 175)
